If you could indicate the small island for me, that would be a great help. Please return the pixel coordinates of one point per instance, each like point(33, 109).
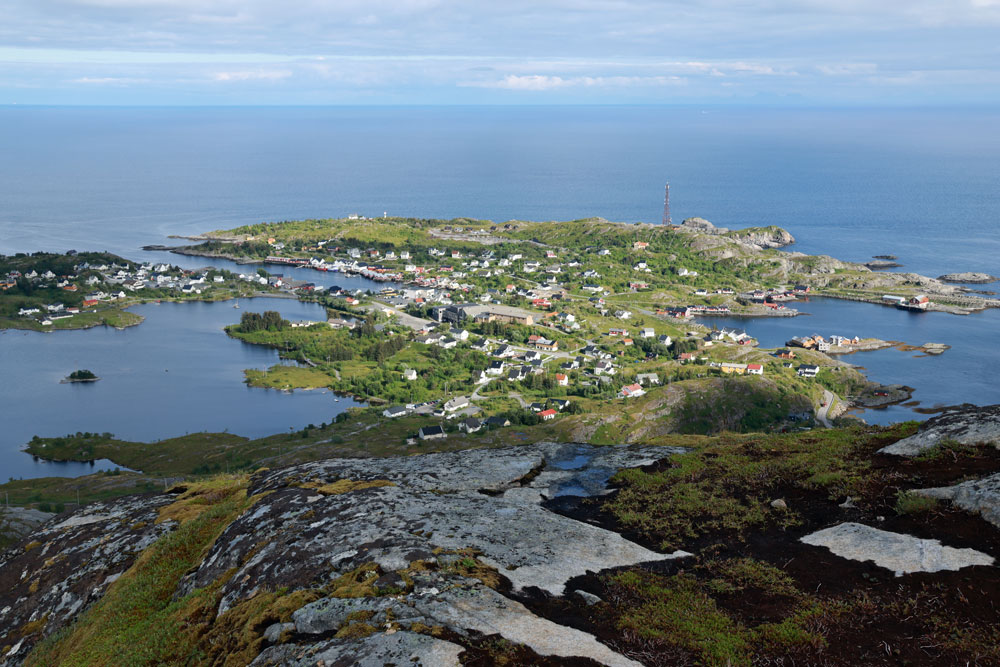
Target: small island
point(82, 375)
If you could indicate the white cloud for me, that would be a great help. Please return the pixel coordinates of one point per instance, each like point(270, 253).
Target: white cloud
point(847, 69)
point(108, 80)
point(253, 75)
point(544, 82)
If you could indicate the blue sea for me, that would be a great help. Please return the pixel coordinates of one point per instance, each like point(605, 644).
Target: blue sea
point(922, 184)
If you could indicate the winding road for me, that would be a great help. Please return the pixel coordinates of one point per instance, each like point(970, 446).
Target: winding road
point(821, 415)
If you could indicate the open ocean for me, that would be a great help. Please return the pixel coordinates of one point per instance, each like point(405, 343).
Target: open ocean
point(920, 184)
point(923, 184)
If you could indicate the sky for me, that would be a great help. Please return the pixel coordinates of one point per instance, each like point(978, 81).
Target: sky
point(301, 52)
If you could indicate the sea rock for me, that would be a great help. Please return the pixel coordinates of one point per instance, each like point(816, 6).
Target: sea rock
point(878, 264)
point(779, 504)
point(968, 277)
point(981, 496)
point(902, 554)
point(966, 424)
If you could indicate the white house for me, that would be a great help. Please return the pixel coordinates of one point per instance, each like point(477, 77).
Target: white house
point(604, 367)
point(456, 403)
point(631, 391)
point(648, 379)
point(808, 371)
point(431, 433)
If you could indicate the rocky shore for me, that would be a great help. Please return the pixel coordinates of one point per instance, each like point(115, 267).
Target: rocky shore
point(968, 277)
point(882, 264)
point(194, 251)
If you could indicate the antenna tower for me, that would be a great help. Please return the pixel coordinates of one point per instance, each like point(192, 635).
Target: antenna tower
point(667, 220)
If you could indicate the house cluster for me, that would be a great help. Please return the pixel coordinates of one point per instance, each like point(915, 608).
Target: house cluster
point(727, 368)
point(775, 297)
point(919, 302)
point(108, 283)
point(445, 340)
point(821, 344)
point(729, 335)
point(459, 313)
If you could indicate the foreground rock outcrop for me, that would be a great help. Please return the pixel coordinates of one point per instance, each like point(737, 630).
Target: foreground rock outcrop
point(16, 522)
point(964, 424)
point(423, 542)
point(66, 565)
point(522, 556)
point(981, 496)
point(900, 553)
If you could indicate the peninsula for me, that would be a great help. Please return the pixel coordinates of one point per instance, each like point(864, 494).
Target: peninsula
point(78, 290)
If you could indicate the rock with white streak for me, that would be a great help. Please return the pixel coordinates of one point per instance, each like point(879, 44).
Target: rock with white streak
point(900, 553)
point(965, 424)
point(981, 496)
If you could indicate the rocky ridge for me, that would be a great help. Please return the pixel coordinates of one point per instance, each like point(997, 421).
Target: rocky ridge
point(419, 530)
point(964, 424)
point(67, 565)
point(439, 559)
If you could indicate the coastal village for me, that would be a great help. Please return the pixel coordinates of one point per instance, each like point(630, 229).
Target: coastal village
point(509, 386)
point(546, 328)
point(80, 294)
point(476, 327)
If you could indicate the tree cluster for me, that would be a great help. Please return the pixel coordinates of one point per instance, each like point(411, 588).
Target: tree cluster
point(269, 321)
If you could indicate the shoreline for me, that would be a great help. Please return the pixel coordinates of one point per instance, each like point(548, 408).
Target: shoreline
point(979, 305)
point(67, 380)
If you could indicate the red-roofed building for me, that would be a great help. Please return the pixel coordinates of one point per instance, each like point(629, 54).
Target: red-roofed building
point(546, 415)
point(631, 391)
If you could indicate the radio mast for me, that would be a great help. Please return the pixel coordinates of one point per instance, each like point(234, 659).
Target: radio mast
point(667, 220)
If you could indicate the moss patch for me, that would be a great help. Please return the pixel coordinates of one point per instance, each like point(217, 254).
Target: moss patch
point(725, 487)
point(134, 623)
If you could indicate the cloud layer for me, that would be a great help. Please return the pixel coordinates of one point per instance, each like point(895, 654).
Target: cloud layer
point(520, 51)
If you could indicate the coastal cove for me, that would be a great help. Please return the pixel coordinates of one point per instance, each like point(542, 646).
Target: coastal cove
point(176, 373)
point(962, 374)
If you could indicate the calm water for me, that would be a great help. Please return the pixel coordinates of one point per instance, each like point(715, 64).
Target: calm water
point(964, 374)
point(176, 373)
point(921, 184)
